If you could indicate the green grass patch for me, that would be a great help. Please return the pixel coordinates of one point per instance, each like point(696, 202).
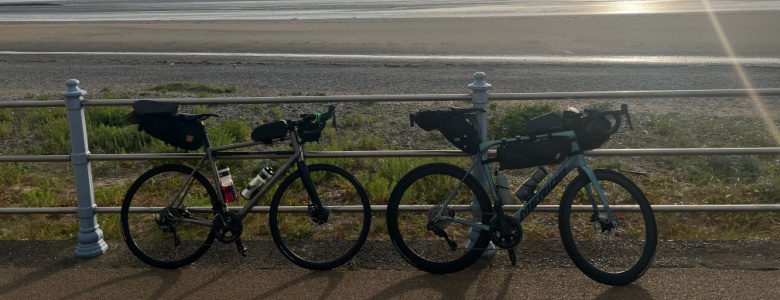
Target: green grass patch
point(665, 179)
point(192, 87)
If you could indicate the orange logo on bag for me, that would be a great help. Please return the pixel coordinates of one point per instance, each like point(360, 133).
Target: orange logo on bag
point(189, 138)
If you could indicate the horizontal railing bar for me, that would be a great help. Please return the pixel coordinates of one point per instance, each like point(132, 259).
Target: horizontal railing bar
point(635, 94)
point(684, 151)
point(293, 99)
point(396, 153)
point(27, 103)
point(417, 97)
point(35, 158)
point(456, 97)
point(383, 208)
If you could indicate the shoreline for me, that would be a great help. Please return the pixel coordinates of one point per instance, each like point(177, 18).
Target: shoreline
point(359, 20)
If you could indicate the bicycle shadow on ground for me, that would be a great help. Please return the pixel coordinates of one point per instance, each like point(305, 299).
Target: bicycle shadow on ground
point(309, 281)
point(66, 278)
point(469, 284)
point(157, 283)
point(630, 291)
point(38, 275)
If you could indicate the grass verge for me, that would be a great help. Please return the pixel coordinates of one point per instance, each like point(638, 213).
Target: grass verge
point(665, 180)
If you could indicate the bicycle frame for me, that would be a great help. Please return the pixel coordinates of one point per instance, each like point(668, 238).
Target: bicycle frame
point(575, 161)
point(212, 153)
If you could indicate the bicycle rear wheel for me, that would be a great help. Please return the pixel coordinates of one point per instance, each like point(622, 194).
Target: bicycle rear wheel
point(149, 211)
point(314, 240)
point(614, 256)
point(417, 198)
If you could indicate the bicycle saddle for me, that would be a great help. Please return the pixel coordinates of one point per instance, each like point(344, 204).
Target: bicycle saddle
point(145, 107)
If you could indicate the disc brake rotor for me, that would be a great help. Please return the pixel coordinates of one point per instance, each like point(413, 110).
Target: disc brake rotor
point(441, 223)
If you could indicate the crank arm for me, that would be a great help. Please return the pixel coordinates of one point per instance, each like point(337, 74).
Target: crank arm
point(241, 248)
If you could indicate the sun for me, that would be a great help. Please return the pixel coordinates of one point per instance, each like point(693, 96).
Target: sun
point(632, 7)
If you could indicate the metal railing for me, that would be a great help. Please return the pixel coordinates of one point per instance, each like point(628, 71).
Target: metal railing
point(91, 238)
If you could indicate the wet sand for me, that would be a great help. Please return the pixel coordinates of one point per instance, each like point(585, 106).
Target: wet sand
point(751, 34)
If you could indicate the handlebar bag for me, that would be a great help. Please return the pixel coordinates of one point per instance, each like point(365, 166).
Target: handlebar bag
point(310, 132)
point(592, 129)
point(173, 130)
point(459, 129)
point(269, 131)
point(519, 155)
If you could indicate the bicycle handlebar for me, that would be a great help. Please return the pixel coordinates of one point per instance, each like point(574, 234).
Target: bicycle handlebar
point(316, 118)
point(616, 114)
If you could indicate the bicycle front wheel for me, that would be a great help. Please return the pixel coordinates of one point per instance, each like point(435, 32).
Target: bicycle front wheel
point(414, 204)
point(154, 216)
point(608, 254)
point(314, 239)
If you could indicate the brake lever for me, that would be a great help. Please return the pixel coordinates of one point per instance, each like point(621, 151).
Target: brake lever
point(334, 121)
point(624, 110)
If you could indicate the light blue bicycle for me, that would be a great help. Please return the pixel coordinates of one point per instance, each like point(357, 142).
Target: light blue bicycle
point(605, 221)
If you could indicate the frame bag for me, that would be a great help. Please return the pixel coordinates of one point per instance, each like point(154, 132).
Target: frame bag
point(519, 155)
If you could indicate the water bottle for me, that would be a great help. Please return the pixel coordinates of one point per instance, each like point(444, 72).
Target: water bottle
point(527, 189)
point(226, 183)
point(257, 182)
point(502, 187)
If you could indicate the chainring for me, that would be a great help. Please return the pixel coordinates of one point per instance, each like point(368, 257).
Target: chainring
point(509, 240)
point(230, 230)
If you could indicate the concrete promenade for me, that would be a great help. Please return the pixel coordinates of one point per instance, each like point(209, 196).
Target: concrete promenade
point(702, 270)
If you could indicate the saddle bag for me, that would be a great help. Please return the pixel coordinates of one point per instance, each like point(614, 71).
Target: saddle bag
point(174, 130)
point(162, 121)
point(459, 129)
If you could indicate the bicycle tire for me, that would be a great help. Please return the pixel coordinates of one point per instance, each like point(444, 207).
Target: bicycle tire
point(336, 240)
point(628, 251)
point(427, 187)
point(156, 244)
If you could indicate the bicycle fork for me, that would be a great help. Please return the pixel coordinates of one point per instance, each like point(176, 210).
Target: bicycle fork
point(604, 223)
point(318, 213)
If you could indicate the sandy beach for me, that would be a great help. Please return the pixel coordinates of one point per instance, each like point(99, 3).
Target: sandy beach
point(751, 34)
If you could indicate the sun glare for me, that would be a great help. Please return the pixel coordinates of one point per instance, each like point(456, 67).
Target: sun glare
point(631, 7)
point(758, 103)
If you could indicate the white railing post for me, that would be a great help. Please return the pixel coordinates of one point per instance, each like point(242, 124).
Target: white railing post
point(90, 236)
point(479, 99)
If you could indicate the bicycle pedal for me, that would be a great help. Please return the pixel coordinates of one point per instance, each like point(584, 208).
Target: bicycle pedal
point(512, 257)
point(241, 248)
